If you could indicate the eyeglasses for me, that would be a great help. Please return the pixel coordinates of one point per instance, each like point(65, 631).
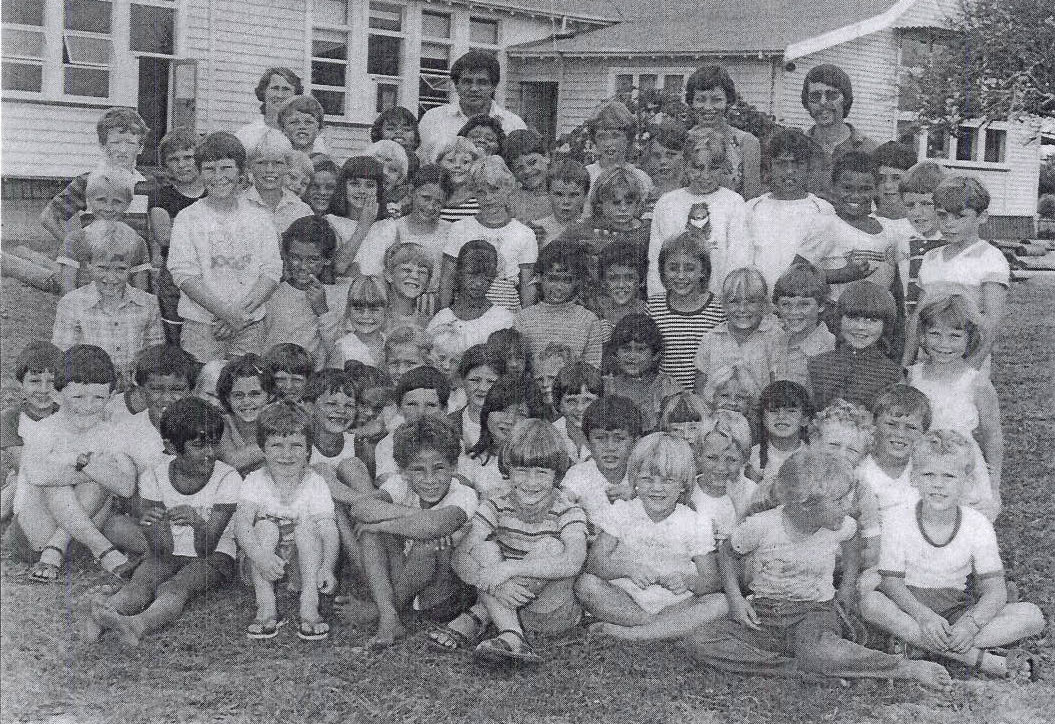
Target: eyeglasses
point(829, 96)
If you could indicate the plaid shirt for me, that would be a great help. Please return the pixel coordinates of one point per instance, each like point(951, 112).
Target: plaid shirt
point(135, 324)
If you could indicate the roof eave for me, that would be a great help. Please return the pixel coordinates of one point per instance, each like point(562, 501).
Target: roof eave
point(637, 53)
point(847, 33)
point(539, 11)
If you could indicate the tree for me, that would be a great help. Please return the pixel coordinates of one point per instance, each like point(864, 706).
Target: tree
point(1047, 176)
point(994, 63)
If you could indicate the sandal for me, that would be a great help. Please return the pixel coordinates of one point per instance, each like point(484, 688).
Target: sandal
point(122, 570)
point(446, 638)
point(498, 649)
point(260, 630)
point(45, 572)
point(313, 631)
point(1022, 666)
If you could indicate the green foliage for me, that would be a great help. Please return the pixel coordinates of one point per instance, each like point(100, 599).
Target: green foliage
point(1047, 176)
point(1046, 206)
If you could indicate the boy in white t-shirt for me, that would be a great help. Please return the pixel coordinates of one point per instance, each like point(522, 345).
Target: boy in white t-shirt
point(929, 550)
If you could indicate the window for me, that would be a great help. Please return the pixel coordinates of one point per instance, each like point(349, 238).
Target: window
point(971, 143)
point(152, 29)
point(434, 85)
point(87, 47)
point(670, 81)
point(915, 51)
point(329, 55)
point(23, 45)
point(384, 52)
point(483, 32)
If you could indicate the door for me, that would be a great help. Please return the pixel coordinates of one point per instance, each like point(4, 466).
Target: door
point(153, 104)
point(538, 107)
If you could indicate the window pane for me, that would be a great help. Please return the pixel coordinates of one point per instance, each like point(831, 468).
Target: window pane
point(387, 96)
point(332, 102)
point(966, 140)
point(483, 32)
point(384, 16)
point(81, 50)
point(673, 83)
point(383, 55)
point(433, 90)
point(87, 82)
point(327, 74)
point(914, 51)
point(153, 29)
point(329, 45)
point(995, 146)
point(435, 25)
point(19, 76)
point(647, 81)
point(907, 134)
point(937, 144)
point(330, 11)
point(23, 12)
point(22, 43)
point(92, 16)
point(435, 57)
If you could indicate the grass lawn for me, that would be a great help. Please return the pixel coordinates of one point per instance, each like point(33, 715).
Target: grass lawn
point(205, 670)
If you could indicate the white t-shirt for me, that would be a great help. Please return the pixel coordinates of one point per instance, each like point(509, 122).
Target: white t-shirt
point(907, 552)
point(350, 347)
point(384, 456)
point(585, 485)
point(964, 273)
point(486, 479)
point(310, 500)
point(515, 243)
point(473, 331)
point(389, 232)
point(728, 510)
point(829, 239)
point(458, 496)
point(889, 492)
point(348, 451)
point(777, 228)
point(223, 488)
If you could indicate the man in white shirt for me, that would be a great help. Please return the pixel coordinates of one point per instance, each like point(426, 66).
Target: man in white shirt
point(475, 76)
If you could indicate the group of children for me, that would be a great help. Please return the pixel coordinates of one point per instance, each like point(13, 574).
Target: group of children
point(509, 395)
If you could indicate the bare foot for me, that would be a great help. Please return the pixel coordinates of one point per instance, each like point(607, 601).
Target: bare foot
point(930, 674)
point(88, 628)
point(128, 630)
point(601, 629)
point(359, 612)
point(388, 632)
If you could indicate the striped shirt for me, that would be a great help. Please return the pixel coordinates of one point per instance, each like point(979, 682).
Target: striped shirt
point(682, 332)
point(516, 537)
point(464, 210)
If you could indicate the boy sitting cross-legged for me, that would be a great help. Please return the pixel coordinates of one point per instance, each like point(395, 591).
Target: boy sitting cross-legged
point(928, 551)
point(188, 501)
point(421, 391)
point(285, 509)
point(408, 527)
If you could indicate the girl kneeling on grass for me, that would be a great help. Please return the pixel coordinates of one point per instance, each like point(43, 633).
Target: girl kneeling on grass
point(523, 552)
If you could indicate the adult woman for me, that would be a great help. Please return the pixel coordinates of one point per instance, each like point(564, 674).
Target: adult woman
point(710, 93)
point(276, 86)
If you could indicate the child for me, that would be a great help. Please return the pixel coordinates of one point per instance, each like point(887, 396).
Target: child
point(927, 556)
point(574, 389)
point(457, 157)
point(556, 317)
point(685, 415)
point(397, 124)
point(364, 323)
point(224, 279)
point(472, 313)
point(789, 624)
point(786, 410)
point(621, 269)
point(568, 185)
point(301, 119)
point(751, 337)
point(967, 264)
point(725, 237)
point(893, 159)
point(303, 309)
point(430, 189)
point(919, 232)
point(406, 347)
point(778, 221)
point(486, 134)
point(961, 397)
point(800, 296)
point(545, 367)
point(652, 568)
point(188, 500)
point(684, 310)
point(858, 369)
point(121, 133)
point(421, 391)
point(408, 526)
point(612, 131)
point(244, 389)
point(523, 550)
point(290, 366)
point(373, 405)
point(509, 400)
point(479, 369)
point(285, 509)
point(108, 312)
point(446, 355)
point(70, 466)
point(408, 270)
point(637, 346)
point(517, 247)
point(357, 201)
point(512, 346)
point(722, 493)
point(612, 426)
point(268, 170)
point(524, 152)
point(664, 161)
point(395, 166)
point(301, 169)
point(332, 398)
point(902, 415)
point(322, 187)
point(183, 188)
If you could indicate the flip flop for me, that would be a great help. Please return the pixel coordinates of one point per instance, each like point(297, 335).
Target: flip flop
point(45, 572)
point(1022, 666)
point(313, 631)
point(445, 638)
point(261, 630)
point(498, 650)
point(122, 570)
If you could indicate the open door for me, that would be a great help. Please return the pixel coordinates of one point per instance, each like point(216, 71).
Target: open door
point(538, 107)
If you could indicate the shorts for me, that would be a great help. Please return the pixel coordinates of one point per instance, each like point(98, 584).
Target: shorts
point(192, 574)
point(949, 603)
point(286, 549)
point(198, 339)
point(554, 610)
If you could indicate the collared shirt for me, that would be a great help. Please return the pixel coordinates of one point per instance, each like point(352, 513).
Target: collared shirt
point(817, 342)
point(133, 325)
point(289, 209)
point(763, 354)
point(442, 123)
point(820, 176)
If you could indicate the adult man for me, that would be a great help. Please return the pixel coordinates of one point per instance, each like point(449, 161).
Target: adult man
point(475, 76)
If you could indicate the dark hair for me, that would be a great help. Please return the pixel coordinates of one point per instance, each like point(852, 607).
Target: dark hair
point(477, 252)
point(427, 433)
point(313, 230)
point(508, 342)
point(802, 279)
point(265, 81)
point(477, 60)
point(790, 141)
point(505, 392)
point(482, 119)
point(637, 328)
point(901, 400)
point(126, 120)
point(574, 377)
point(480, 355)
point(282, 419)
point(322, 162)
point(289, 357)
point(396, 114)
point(432, 173)
point(86, 364)
point(180, 138)
point(685, 242)
point(612, 412)
point(623, 253)
point(922, 178)
point(567, 253)
point(894, 155)
point(220, 146)
point(165, 360)
point(424, 378)
point(855, 161)
point(708, 77)
point(669, 135)
point(366, 167)
point(38, 356)
point(867, 299)
point(569, 171)
point(959, 193)
point(534, 443)
point(329, 381)
point(778, 395)
point(191, 418)
point(367, 377)
point(303, 104)
point(522, 142)
point(833, 76)
point(248, 365)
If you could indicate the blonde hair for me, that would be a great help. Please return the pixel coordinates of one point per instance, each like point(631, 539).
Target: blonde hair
point(944, 444)
point(534, 443)
point(746, 282)
point(492, 171)
point(117, 180)
point(726, 374)
point(300, 161)
point(665, 455)
point(272, 144)
point(109, 240)
point(733, 426)
point(619, 177)
point(956, 311)
point(390, 151)
point(453, 341)
point(810, 476)
point(408, 252)
point(847, 414)
point(409, 334)
point(458, 144)
point(365, 289)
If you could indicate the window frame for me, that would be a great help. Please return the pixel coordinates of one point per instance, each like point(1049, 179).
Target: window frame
point(661, 73)
point(26, 60)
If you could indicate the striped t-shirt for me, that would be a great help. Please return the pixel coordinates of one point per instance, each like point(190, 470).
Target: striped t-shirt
point(682, 332)
point(516, 537)
point(464, 210)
